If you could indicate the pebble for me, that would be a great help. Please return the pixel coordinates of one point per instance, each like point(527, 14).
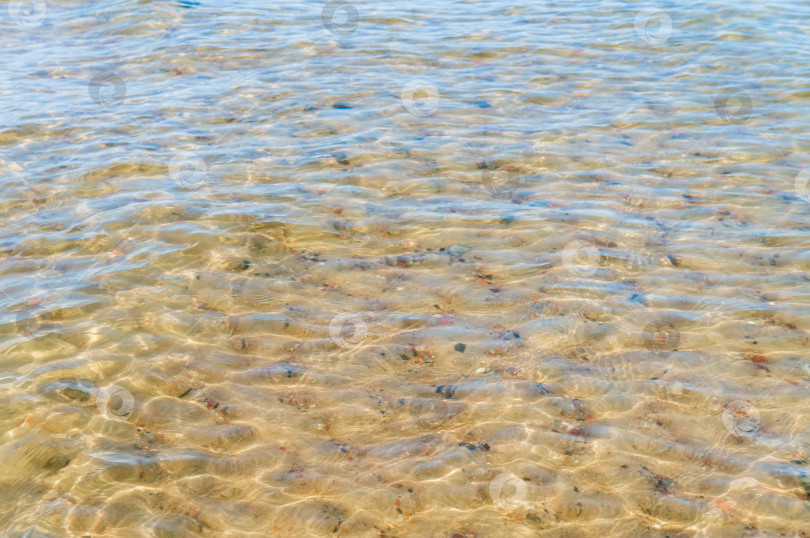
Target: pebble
point(458, 249)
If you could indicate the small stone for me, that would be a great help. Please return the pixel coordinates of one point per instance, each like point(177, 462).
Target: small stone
point(458, 249)
point(460, 347)
point(340, 158)
point(676, 389)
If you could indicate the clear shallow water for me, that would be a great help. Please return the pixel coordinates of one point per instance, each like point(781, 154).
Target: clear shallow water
point(455, 269)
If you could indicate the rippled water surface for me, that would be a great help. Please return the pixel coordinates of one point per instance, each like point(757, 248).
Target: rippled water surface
point(446, 269)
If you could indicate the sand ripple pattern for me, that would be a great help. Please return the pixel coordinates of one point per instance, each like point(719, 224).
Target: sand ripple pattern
point(404, 269)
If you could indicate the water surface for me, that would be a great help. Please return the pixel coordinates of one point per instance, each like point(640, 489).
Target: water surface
point(432, 269)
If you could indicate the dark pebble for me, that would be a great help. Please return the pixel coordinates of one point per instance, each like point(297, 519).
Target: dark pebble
point(460, 347)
